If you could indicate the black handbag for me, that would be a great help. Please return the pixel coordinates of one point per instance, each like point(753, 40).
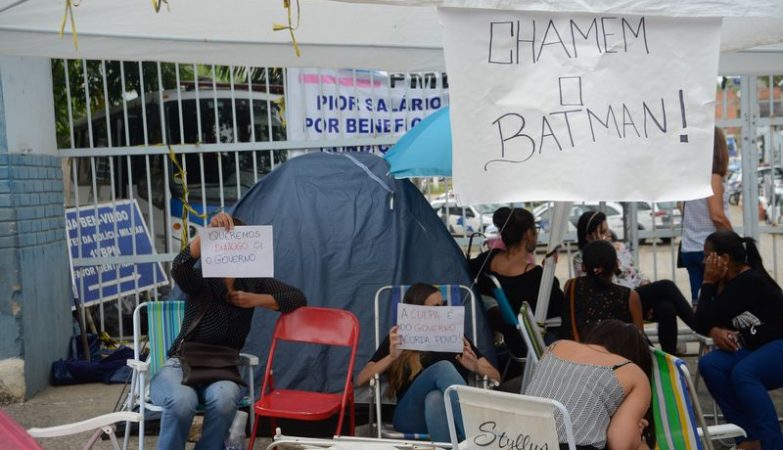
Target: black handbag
point(206, 363)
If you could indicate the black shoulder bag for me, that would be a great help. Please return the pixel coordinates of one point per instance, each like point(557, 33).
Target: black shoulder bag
point(207, 363)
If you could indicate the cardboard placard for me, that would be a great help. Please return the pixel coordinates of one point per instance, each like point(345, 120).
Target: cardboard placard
point(242, 252)
point(431, 328)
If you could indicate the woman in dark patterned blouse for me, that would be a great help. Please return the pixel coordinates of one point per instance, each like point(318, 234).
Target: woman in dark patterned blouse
point(594, 297)
point(230, 304)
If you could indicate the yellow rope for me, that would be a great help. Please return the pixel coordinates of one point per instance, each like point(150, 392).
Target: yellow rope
point(181, 175)
point(290, 27)
point(69, 13)
point(156, 4)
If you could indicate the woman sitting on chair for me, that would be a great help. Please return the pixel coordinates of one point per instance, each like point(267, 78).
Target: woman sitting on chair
point(662, 300)
point(218, 312)
point(594, 297)
point(604, 384)
point(418, 379)
point(741, 309)
point(519, 277)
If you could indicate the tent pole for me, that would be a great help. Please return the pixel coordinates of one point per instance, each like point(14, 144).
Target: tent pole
point(558, 229)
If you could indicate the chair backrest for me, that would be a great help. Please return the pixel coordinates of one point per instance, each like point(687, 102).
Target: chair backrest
point(673, 406)
point(327, 326)
point(531, 331)
point(508, 314)
point(164, 320)
point(453, 295)
point(492, 419)
point(315, 325)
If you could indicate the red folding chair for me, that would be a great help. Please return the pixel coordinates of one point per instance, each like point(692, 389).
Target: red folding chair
point(326, 326)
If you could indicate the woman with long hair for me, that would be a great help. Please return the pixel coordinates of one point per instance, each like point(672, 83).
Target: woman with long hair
point(418, 379)
point(604, 384)
point(662, 301)
point(706, 215)
point(594, 297)
point(741, 309)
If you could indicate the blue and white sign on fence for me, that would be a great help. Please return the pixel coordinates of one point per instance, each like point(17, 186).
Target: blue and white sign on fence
point(110, 230)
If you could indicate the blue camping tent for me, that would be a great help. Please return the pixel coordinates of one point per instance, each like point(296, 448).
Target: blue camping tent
point(342, 230)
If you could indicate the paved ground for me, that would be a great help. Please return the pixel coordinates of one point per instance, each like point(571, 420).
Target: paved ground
point(57, 405)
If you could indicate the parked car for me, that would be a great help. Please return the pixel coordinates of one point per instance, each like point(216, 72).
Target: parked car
point(663, 216)
point(464, 220)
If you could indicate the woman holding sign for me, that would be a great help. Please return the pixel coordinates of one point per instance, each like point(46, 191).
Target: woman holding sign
point(218, 312)
point(418, 379)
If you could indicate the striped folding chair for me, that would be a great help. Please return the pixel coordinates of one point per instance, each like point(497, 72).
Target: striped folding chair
point(679, 422)
point(164, 320)
point(453, 295)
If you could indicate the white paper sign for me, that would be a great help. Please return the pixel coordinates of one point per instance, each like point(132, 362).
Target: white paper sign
point(243, 252)
point(579, 107)
point(431, 328)
point(327, 104)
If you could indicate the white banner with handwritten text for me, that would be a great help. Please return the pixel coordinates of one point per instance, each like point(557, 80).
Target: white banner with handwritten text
point(572, 107)
point(431, 328)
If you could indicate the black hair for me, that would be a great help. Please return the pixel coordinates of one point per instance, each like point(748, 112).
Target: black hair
point(417, 294)
point(626, 340)
point(500, 217)
point(519, 222)
point(600, 260)
point(741, 250)
point(588, 223)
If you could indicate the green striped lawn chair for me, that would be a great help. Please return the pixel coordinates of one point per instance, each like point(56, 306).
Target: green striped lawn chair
point(164, 320)
point(679, 422)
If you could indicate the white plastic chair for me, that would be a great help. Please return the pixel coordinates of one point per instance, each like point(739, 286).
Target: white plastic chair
point(105, 424)
point(488, 414)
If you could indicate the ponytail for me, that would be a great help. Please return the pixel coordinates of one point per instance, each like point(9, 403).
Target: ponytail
point(754, 259)
point(741, 250)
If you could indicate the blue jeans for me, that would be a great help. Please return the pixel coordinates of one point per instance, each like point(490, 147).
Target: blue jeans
point(739, 382)
point(179, 403)
point(694, 263)
point(422, 410)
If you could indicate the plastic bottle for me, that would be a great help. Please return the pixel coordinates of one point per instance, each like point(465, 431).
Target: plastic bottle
point(236, 439)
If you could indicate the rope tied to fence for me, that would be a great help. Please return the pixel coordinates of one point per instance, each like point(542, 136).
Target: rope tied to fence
point(181, 176)
point(290, 27)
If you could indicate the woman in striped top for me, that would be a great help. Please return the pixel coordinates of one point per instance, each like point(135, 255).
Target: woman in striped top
point(604, 383)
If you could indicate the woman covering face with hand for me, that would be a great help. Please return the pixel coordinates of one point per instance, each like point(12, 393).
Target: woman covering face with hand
point(741, 309)
point(419, 379)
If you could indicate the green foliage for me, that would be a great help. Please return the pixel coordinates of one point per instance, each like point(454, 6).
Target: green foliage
point(121, 79)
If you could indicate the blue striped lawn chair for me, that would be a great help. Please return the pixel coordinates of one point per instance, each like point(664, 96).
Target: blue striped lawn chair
point(164, 320)
point(453, 295)
point(679, 422)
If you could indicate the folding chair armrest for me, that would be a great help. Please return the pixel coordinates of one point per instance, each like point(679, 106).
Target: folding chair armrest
point(85, 425)
point(248, 359)
point(137, 365)
point(704, 340)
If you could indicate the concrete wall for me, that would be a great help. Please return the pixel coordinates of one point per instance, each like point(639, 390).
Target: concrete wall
point(35, 291)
